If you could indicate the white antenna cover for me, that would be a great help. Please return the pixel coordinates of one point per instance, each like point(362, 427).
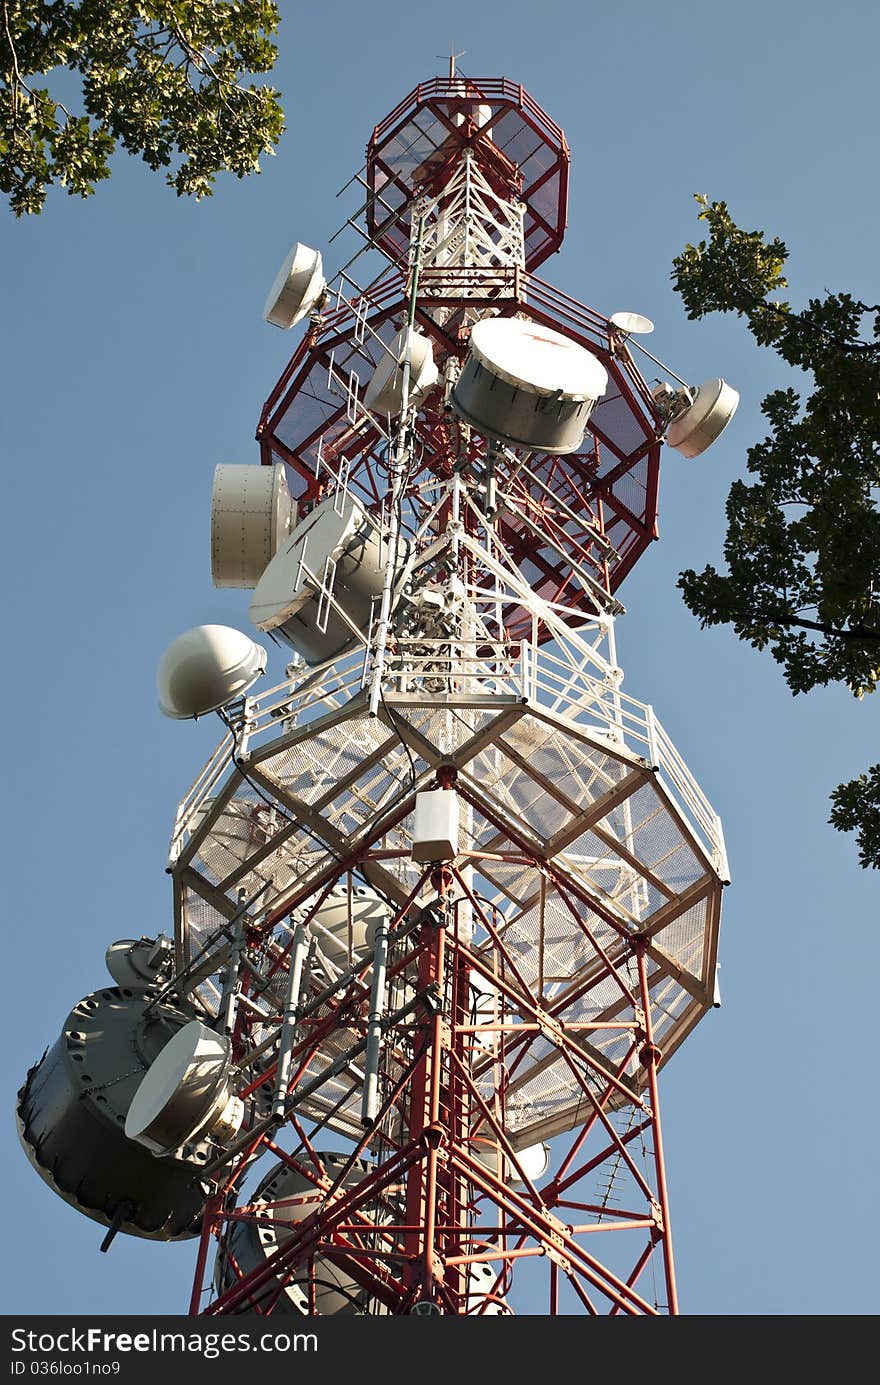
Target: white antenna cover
point(384, 393)
point(480, 114)
point(251, 516)
point(185, 1092)
point(697, 427)
point(298, 285)
point(206, 667)
point(337, 549)
point(528, 385)
point(534, 1161)
point(632, 324)
point(345, 924)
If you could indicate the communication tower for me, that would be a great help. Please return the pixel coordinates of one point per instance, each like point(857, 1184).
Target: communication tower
point(446, 898)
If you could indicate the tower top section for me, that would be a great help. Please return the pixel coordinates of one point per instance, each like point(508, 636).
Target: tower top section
point(520, 152)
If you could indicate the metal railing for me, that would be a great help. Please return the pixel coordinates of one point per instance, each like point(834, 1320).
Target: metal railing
point(433, 672)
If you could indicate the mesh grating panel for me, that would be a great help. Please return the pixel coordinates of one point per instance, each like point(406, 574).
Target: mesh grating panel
point(685, 939)
point(556, 922)
point(517, 792)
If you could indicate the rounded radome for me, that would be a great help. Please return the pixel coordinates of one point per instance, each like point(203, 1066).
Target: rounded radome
point(697, 427)
point(205, 668)
point(186, 1092)
point(298, 285)
point(525, 384)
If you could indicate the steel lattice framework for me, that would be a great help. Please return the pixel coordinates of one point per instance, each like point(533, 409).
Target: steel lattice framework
point(533, 985)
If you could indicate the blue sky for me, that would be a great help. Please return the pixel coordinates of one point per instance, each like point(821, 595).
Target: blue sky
point(134, 359)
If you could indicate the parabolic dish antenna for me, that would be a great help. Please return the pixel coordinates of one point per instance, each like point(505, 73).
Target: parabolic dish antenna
point(185, 1092)
point(528, 385)
point(206, 667)
point(697, 426)
point(252, 513)
point(337, 544)
point(298, 285)
point(632, 324)
point(384, 393)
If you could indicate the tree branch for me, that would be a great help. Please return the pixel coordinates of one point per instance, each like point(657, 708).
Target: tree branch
point(857, 632)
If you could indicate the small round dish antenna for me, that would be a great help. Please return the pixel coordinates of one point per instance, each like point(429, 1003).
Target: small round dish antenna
point(186, 1092)
point(298, 285)
point(384, 393)
point(137, 963)
point(534, 1161)
point(706, 413)
point(632, 324)
point(206, 667)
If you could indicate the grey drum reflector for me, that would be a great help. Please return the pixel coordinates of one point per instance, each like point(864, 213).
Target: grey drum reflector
point(285, 1198)
point(698, 425)
point(528, 385)
point(298, 285)
point(186, 1093)
point(72, 1109)
point(384, 393)
point(251, 516)
point(335, 551)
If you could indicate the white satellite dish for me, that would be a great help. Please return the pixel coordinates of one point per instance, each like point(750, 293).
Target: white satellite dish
point(701, 421)
point(298, 285)
point(345, 924)
point(251, 515)
point(337, 550)
point(136, 963)
point(185, 1093)
point(528, 385)
point(206, 667)
point(632, 324)
point(384, 393)
point(534, 1161)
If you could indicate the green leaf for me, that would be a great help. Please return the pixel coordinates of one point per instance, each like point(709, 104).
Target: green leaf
point(167, 82)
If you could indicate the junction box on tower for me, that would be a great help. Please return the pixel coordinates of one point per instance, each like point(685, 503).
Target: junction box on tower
point(435, 832)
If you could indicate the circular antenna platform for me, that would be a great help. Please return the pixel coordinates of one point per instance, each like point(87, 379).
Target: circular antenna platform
point(298, 285)
point(206, 667)
point(632, 324)
point(185, 1092)
point(704, 419)
point(528, 385)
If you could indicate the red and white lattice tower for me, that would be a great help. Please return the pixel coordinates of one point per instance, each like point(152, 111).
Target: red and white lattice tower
point(449, 1023)
point(446, 899)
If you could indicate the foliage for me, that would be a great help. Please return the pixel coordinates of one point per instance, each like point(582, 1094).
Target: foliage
point(164, 80)
point(803, 536)
point(857, 809)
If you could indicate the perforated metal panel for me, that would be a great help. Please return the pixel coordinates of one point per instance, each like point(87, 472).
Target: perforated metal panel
point(580, 845)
